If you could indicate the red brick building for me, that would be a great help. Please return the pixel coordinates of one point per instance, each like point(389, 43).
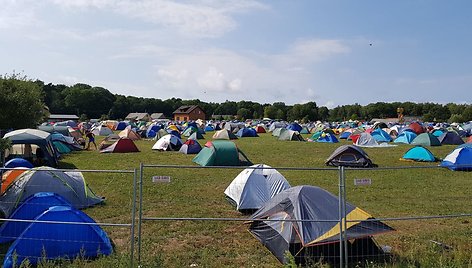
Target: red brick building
point(189, 113)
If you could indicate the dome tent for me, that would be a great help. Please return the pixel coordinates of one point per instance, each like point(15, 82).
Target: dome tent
point(419, 153)
point(70, 185)
point(349, 156)
point(460, 159)
point(254, 186)
point(221, 153)
point(314, 231)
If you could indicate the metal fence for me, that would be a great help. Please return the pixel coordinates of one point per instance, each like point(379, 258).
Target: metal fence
point(35, 223)
point(168, 214)
point(347, 239)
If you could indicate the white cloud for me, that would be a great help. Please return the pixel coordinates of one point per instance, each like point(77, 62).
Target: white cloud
point(193, 18)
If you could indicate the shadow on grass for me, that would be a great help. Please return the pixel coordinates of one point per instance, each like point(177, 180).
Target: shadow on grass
point(65, 165)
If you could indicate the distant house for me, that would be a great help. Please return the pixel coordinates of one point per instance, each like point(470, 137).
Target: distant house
point(138, 117)
point(62, 117)
point(189, 113)
point(157, 116)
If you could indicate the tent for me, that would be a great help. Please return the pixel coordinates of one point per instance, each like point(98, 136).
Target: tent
point(196, 136)
point(61, 147)
point(247, 132)
point(209, 128)
point(253, 187)
point(419, 153)
point(450, 137)
point(121, 125)
point(294, 127)
point(305, 130)
point(260, 129)
point(130, 134)
point(406, 137)
point(438, 132)
point(190, 147)
point(346, 133)
point(32, 207)
point(349, 156)
point(123, 145)
point(277, 124)
point(326, 137)
point(290, 135)
point(18, 162)
point(101, 130)
point(314, 226)
point(25, 140)
point(224, 134)
point(276, 132)
point(9, 177)
point(380, 135)
point(160, 133)
point(168, 143)
point(65, 241)
point(416, 127)
point(189, 130)
point(460, 159)
point(469, 140)
point(426, 139)
point(221, 153)
point(64, 130)
point(70, 185)
point(366, 140)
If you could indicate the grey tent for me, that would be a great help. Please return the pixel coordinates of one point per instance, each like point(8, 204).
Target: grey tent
point(290, 135)
point(349, 156)
point(22, 139)
point(70, 185)
point(309, 226)
point(254, 186)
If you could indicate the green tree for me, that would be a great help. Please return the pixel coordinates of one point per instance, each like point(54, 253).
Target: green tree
point(21, 102)
point(244, 113)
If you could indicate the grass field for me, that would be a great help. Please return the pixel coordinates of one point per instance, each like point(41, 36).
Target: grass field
point(199, 193)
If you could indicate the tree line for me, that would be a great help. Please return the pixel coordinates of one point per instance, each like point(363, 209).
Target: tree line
point(25, 99)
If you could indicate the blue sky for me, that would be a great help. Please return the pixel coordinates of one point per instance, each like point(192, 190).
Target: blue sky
point(330, 52)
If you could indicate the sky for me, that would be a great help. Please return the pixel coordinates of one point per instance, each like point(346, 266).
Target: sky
point(294, 51)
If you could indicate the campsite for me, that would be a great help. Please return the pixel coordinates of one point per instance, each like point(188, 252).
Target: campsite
point(199, 193)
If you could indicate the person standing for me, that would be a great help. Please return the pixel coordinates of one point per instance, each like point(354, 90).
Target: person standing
point(91, 139)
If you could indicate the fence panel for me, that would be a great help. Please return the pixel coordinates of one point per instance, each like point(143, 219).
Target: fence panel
point(39, 226)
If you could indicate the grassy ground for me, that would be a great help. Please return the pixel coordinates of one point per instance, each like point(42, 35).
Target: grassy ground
point(199, 193)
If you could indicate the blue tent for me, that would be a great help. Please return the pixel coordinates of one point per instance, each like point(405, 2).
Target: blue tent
point(381, 135)
point(459, 160)
point(209, 128)
point(121, 125)
point(451, 138)
point(406, 137)
point(29, 210)
point(18, 162)
point(345, 135)
point(152, 130)
point(419, 153)
point(438, 132)
point(174, 132)
point(326, 137)
point(294, 127)
point(247, 132)
point(190, 147)
point(41, 240)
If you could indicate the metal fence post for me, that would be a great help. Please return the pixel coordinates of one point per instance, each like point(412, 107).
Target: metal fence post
point(140, 217)
point(345, 240)
point(133, 220)
point(341, 212)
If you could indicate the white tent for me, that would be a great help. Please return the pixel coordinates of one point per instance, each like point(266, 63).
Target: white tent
point(168, 142)
point(101, 131)
point(366, 140)
point(253, 187)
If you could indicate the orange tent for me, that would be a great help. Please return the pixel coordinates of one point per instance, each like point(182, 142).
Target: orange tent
point(9, 177)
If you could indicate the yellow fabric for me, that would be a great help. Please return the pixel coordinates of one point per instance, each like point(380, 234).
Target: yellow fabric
point(356, 214)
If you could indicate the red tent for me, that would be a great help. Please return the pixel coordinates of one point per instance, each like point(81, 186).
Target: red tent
point(123, 145)
point(260, 129)
point(416, 127)
point(469, 140)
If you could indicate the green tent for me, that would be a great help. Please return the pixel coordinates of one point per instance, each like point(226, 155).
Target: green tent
point(189, 131)
point(221, 153)
point(426, 139)
point(61, 147)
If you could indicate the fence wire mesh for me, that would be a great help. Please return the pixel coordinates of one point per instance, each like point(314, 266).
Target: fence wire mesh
point(66, 215)
point(356, 217)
